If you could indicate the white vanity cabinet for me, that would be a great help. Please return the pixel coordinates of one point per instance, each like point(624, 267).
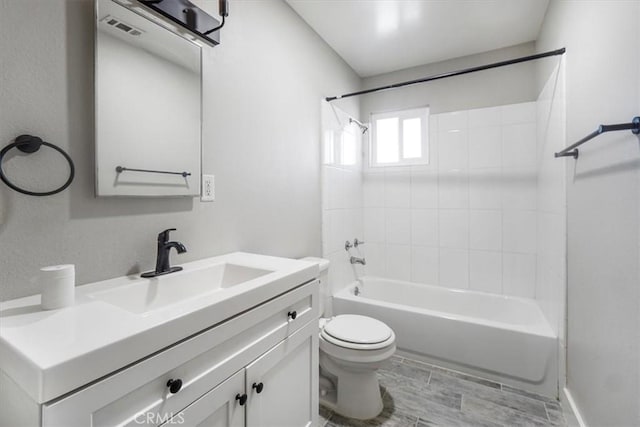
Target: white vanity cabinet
point(274, 344)
point(276, 390)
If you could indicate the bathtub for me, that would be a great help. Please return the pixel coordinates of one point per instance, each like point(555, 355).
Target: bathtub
point(503, 338)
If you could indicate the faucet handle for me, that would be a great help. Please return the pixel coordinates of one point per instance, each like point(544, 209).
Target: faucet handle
point(163, 237)
point(357, 242)
point(347, 245)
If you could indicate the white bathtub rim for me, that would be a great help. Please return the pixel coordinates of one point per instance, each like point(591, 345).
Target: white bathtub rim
point(447, 289)
point(540, 328)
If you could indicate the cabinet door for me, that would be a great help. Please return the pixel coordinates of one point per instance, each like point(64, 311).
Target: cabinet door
point(283, 383)
point(217, 408)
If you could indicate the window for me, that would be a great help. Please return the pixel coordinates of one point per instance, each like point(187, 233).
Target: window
point(399, 138)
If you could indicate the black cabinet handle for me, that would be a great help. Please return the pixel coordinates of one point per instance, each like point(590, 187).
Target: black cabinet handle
point(242, 398)
point(258, 387)
point(174, 385)
point(292, 315)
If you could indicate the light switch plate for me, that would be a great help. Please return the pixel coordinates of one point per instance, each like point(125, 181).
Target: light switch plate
point(208, 188)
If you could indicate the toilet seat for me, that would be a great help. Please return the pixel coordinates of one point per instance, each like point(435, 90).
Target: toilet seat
point(356, 332)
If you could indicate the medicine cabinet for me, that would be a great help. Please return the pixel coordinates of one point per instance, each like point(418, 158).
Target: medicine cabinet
point(148, 105)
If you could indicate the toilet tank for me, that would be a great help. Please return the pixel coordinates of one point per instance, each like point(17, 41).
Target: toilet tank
point(323, 277)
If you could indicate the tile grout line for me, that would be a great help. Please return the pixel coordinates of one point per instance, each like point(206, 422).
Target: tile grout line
point(431, 369)
point(329, 419)
point(529, 396)
point(546, 411)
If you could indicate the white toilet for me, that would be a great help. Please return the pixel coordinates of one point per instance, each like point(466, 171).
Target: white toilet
point(352, 348)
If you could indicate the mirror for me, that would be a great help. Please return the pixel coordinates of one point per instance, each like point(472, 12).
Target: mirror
point(148, 106)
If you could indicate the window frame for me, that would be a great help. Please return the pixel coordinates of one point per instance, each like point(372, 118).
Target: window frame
point(423, 114)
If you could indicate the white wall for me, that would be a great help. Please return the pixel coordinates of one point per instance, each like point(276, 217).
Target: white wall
point(260, 138)
point(602, 86)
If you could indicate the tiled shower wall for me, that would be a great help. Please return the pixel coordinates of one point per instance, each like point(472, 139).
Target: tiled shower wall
point(468, 219)
point(551, 269)
point(341, 194)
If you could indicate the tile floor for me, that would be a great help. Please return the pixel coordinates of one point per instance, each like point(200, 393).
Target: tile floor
point(416, 394)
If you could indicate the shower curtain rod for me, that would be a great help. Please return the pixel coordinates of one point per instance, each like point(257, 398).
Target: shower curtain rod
point(451, 74)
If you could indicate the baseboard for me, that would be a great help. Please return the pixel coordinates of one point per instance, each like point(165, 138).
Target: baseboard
point(571, 411)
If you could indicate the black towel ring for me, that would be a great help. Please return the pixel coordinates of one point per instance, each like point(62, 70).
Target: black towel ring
point(30, 144)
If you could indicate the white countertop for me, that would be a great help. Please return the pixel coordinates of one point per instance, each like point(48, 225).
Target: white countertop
point(52, 352)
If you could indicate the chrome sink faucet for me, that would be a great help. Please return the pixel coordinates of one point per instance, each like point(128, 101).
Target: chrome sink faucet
point(162, 261)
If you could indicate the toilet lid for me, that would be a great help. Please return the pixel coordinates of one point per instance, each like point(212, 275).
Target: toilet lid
point(357, 329)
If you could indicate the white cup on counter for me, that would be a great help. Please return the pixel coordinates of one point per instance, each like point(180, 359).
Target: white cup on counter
point(58, 284)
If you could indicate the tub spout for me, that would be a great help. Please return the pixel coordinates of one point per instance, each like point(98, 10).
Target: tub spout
point(356, 260)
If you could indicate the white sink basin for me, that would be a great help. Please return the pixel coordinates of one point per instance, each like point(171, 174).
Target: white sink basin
point(146, 295)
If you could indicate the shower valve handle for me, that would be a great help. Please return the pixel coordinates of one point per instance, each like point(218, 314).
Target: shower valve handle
point(357, 242)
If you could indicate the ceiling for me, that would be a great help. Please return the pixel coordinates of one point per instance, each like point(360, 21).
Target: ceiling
point(380, 36)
